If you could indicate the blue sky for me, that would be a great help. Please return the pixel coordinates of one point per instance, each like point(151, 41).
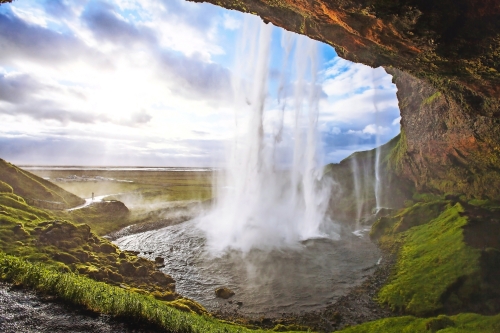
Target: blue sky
point(126, 82)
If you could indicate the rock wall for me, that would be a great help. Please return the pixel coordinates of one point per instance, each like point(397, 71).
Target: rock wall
point(448, 148)
point(445, 56)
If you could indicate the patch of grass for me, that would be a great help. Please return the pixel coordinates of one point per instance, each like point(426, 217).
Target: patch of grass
point(432, 259)
point(462, 323)
point(103, 298)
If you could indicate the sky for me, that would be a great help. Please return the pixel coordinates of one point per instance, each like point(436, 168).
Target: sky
point(149, 83)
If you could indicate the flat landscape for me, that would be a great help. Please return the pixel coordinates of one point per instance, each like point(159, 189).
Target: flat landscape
point(151, 195)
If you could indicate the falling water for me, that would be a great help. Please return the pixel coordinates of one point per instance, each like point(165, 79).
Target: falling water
point(377, 149)
point(270, 195)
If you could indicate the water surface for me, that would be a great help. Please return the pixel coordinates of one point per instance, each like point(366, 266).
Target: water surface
point(295, 280)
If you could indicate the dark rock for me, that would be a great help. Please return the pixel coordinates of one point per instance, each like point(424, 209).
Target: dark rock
point(107, 248)
point(224, 293)
point(162, 278)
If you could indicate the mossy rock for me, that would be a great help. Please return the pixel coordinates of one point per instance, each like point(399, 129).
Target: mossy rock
point(65, 258)
point(441, 322)
point(162, 278)
point(188, 305)
point(164, 296)
point(108, 248)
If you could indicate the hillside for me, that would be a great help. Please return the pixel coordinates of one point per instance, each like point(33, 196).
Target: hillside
point(36, 190)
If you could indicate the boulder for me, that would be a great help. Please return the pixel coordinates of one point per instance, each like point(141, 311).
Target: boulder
point(224, 293)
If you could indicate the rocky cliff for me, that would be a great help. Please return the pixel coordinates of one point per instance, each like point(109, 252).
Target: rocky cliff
point(445, 56)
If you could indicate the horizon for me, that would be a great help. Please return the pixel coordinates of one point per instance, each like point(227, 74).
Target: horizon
point(149, 83)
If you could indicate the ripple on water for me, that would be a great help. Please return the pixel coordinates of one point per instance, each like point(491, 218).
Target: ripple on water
point(304, 278)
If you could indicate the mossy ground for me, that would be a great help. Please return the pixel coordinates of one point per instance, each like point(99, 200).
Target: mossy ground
point(432, 259)
point(35, 235)
point(454, 324)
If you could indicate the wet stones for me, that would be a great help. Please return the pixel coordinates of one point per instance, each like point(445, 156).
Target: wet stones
point(159, 262)
point(224, 293)
point(162, 278)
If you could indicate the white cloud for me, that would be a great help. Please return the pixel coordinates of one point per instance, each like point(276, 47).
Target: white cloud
point(148, 76)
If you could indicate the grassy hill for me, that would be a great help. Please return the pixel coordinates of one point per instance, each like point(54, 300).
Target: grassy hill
point(36, 190)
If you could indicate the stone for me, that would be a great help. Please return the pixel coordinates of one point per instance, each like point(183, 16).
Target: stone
point(224, 293)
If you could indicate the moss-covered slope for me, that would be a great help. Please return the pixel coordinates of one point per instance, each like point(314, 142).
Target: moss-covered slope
point(355, 177)
point(38, 191)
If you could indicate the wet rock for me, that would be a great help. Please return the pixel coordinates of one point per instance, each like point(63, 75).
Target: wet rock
point(224, 293)
point(162, 278)
point(160, 262)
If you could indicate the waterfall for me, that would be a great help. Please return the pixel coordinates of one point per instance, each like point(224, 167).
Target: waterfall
point(269, 195)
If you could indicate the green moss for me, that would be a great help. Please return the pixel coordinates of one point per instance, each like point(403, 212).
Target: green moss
point(462, 323)
point(432, 259)
point(5, 188)
point(396, 156)
point(431, 98)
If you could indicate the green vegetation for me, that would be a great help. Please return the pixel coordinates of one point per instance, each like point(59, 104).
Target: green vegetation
point(461, 323)
point(148, 195)
point(355, 175)
point(31, 233)
point(431, 98)
point(33, 187)
point(432, 259)
point(104, 298)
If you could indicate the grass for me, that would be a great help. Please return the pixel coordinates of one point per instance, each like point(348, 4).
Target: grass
point(432, 259)
point(31, 186)
point(103, 298)
point(466, 322)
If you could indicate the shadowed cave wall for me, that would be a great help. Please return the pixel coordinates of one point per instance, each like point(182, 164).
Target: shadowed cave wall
point(445, 60)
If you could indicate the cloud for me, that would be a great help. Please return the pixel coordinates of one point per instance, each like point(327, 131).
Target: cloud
point(23, 41)
point(106, 24)
point(16, 88)
point(57, 8)
point(193, 77)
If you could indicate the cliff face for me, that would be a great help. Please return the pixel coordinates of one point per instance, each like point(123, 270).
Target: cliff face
point(446, 58)
point(447, 147)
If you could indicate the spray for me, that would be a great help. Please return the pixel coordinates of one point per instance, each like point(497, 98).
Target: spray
point(262, 202)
